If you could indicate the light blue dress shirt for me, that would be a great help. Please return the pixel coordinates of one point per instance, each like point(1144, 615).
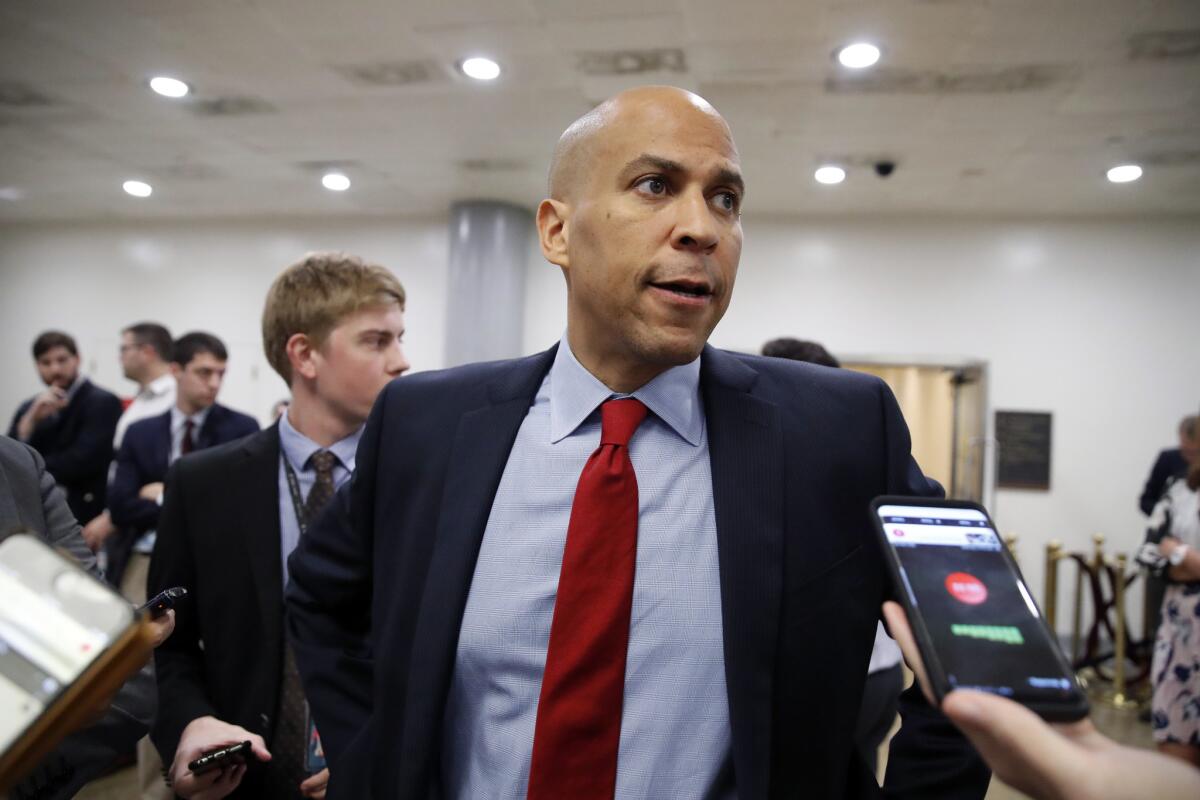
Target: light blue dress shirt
point(298, 449)
point(675, 734)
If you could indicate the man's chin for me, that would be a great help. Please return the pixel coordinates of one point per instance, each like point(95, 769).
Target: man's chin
point(675, 351)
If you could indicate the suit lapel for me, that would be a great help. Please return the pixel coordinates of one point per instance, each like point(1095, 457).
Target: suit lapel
point(479, 453)
point(257, 506)
point(746, 456)
point(162, 454)
point(207, 435)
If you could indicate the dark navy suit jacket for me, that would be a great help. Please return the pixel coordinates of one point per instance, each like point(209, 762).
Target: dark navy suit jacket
point(142, 459)
point(77, 445)
point(378, 586)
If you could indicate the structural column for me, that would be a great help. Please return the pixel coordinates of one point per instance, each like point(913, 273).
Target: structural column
point(490, 246)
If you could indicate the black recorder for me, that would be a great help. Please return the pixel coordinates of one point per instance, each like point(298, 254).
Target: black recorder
point(972, 614)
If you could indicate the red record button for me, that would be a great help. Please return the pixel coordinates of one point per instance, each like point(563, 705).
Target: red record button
point(966, 588)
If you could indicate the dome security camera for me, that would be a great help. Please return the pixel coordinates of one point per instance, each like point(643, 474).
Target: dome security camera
point(885, 168)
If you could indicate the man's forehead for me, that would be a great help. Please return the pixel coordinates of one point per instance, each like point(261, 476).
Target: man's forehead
point(693, 146)
point(55, 353)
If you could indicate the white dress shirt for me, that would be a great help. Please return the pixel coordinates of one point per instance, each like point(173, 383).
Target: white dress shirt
point(153, 399)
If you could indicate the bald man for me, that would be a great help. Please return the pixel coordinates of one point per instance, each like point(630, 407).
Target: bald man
point(630, 566)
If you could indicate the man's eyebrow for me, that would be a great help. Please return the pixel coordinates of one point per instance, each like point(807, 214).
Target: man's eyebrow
point(657, 162)
point(376, 332)
point(724, 176)
point(731, 178)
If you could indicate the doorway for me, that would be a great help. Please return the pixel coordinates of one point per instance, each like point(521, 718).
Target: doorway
point(945, 406)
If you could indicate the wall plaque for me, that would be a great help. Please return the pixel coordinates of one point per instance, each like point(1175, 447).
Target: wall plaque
point(1024, 443)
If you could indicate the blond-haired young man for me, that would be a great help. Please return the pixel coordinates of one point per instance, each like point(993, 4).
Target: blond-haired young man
point(332, 328)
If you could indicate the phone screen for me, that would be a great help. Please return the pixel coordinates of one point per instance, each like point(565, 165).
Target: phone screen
point(986, 630)
point(55, 620)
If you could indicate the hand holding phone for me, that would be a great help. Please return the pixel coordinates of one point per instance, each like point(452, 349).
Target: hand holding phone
point(1066, 759)
point(202, 737)
point(972, 617)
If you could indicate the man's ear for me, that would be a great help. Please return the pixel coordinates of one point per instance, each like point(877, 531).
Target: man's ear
point(552, 231)
point(300, 351)
point(176, 370)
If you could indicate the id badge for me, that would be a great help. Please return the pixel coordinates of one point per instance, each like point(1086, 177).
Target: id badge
point(314, 754)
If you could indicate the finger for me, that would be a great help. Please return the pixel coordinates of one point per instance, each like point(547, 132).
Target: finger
point(315, 783)
point(258, 747)
point(190, 784)
point(229, 779)
point(897, 623)
point(1022, 749)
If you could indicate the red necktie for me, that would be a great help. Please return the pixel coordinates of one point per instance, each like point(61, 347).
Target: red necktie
point(186, 446)
point(578, 727)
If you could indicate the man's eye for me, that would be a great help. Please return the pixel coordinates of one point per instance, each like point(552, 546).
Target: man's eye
point(653, 185)
point(727, 201)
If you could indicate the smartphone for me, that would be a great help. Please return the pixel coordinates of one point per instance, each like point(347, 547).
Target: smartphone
point(56, 620)
point(225, 756)
point(972, 614)
point(163, 602)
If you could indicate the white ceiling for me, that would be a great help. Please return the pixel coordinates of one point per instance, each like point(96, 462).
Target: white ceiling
point(1013, 107)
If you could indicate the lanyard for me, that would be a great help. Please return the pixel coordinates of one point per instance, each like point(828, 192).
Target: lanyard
point(297, 498)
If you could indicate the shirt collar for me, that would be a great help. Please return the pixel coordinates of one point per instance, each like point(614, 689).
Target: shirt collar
point(298, 448)
point(179, 419)
point(673, 396)
point(159, 386)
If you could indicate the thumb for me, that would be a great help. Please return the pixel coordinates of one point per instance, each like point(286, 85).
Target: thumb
point(259, 747)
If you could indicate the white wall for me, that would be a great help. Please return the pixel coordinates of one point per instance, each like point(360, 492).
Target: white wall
point(93, 280)
point(1095, 322)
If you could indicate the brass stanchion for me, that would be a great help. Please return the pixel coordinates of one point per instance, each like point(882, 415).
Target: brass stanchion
point(1050, 601)
point(1010, 542)
point(1077, 615)
point(1119, 699)
point(1098, 551)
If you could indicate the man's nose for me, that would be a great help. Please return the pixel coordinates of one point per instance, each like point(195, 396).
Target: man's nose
point(695, 228)
point(397, 362)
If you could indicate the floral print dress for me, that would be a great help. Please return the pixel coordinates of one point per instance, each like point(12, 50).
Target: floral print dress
point(1176, 664)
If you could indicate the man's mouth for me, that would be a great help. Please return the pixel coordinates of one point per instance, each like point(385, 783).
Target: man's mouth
point(693, 290)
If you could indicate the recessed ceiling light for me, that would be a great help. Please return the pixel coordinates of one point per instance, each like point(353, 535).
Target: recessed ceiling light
point(11, 193)
point(137, 188)
point(830, 174)
point(858, 55)
point(169, 87)
point(335, 182)
point(1125, 173)
point(481, 69)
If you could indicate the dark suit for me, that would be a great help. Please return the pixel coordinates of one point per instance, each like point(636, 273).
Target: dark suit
point(219, 535)
point(30, 500)
point(797, 452)
point(1169, 464)
point(142, 459)
point(77, 444)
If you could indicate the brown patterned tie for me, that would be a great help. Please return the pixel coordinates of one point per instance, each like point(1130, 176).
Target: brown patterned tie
point(321, 493)
point(291, 732)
